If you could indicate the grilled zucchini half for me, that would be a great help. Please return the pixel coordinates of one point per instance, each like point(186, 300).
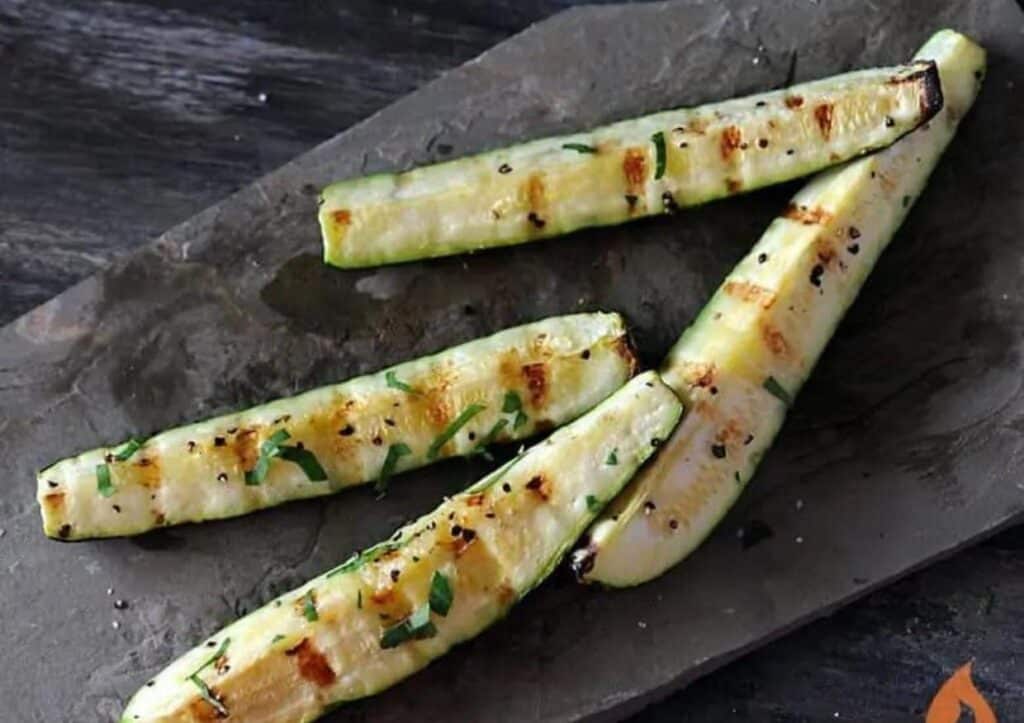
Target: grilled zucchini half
point(390, 610)
point(649, 165)
point(498, 389)
point(741, 363)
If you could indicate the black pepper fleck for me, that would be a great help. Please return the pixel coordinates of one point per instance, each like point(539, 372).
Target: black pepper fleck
point(853, 248)
point(222, 477)
point(674, 524)
point(718, 450)
point(668, 202)
point(762, 142)
point(761, 258)
point(713, 390)
point(504, 168)
point(649, 507)
point(219, 441)
point(854, 232)
point(631, 199)
point(790, 151)
point(347, 431)
point(456, 530)
point(390, 422)
point(51, 483)
point(468, 535)
point(761, 104)
point(64, 531)
point(394, 575)
point(749, 439)
point(906, 201)
point(506, 487)
point(536, 220)
point(585, 354)
point(117, 508)
point(377, 441)
point(684, 144)
point(816, 273)
point(889, 122)
point(655, 442)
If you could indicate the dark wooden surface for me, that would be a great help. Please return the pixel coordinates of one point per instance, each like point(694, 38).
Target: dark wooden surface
point(119, 119)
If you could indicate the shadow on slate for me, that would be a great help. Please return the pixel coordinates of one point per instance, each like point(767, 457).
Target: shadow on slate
point(907, 444)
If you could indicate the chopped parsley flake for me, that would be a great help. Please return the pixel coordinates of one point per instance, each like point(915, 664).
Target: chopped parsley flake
point(594, 505)
point(415, 627)
point(513, 403)
point(659, 148)
point(579, 147)
point(613, 458)
point(130, 447)
point(273, 447)
point(452, 429)
point(103, 484)
point(441, 594)
point(772, 386)
point(392, 380)
point(204, 690)
point(309, 607)
point(395, 452)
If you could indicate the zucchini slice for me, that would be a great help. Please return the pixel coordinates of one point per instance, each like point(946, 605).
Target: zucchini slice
point(741, 363)
point(653, 164)
point(498, 389)
point(390, 610)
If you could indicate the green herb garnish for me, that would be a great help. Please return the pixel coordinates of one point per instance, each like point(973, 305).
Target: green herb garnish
point(594, 505)
point(309, 607)
point(359, 599)
point(415, 627)
point(307, 461)
point(659, 148)
point(103, 484)
point(367, 555)
point(613, 458)
point(273, 447)
point(204, 689)
point(579, 147)
point(395, 452)
point(441, 594)
point(772, 386)
point(460, 421)
point(130, 447)
point(394, 382)
point(514, 403)
point(276, 639)
point(488, 439)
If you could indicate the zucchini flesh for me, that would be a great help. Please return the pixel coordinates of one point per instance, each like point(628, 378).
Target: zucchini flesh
point(325, 642)
point(649, 165)
point(743, 360)
point(497, 389)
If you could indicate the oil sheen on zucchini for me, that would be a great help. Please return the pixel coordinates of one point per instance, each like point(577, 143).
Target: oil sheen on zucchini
point(498, 389)
point(442, 579)
point(741, 363)
point(649, 165)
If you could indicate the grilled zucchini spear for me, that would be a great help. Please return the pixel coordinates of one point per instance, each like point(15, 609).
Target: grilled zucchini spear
point(498, 389)
point(739, 366)
point(442, 579)
point(639, 167)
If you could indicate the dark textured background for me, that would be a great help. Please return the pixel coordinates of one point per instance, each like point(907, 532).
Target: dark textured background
point(120, 119)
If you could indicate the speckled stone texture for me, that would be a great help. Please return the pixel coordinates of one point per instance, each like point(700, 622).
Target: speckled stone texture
point(908, 442)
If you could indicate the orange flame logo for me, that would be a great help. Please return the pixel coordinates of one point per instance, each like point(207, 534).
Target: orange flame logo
point(959, 689)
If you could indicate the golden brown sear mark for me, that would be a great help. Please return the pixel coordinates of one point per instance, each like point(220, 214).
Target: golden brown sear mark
point(540, 485)
point(313, 666)
point(624, 348)
point(729, 142)
point(750, 292)
point(806, 215)
point(733, 185)
point(774, 340)
point(823, 115)
point(342, 217)
point(54, 500)
point(794, 101)
point(535, 376)
point(634, 167)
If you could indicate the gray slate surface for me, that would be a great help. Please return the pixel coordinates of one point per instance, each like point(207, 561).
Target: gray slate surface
point(914, 446)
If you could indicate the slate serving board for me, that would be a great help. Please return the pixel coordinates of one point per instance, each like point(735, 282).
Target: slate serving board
point(907, 444)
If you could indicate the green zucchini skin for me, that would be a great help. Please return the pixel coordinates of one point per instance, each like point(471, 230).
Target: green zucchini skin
point(746, 356)
point(556, 369)
point(322, 644)
point(640, 167)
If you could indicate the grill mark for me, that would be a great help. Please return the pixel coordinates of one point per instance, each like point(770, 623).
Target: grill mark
point(729, 142)
point(312, 664)
point(805, 215)
point(536, 381)
point(634, 167)
point(774, 340)
point(823, 115)
point(750, 292)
